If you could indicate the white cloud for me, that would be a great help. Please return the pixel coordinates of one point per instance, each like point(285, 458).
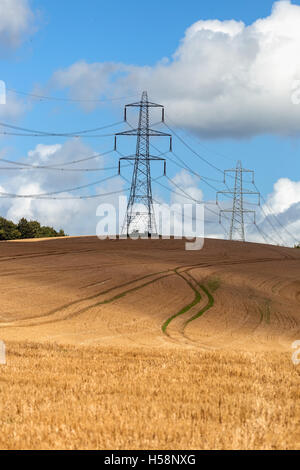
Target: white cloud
point(42, 152)
point(75, 216)
point(16, 21)
point(286, 193)
point(2, 92)
point(226, 79)
point(58, 155)
point(87, 81)
point(12, 109)
point(189, 184)
point(281, 217)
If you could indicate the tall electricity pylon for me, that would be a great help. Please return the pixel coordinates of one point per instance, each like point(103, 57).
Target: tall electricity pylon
point(237, 224)
point(140, 217)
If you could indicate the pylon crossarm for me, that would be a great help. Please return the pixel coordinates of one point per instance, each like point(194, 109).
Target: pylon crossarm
point(232, 192)
point(151, 157)
point(232, 170)
point(241, 170)
point(148, 104)
point(151, 133)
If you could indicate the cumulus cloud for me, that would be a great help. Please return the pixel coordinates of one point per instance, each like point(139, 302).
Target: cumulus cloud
point(281, 212)
point(226, 79)
point(286, 193)
point(187, 183)
point(16, 22)
point(12, 107)
point(75, 216)
point(88, 81)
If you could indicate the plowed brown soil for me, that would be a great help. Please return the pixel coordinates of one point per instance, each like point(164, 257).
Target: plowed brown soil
point(141, 344)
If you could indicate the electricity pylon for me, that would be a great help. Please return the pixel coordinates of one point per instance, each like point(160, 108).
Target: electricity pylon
point(237, 224)
point(140, 218)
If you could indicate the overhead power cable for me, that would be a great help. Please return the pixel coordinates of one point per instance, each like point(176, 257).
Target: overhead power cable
point(86, 136)
point(190, 135)
point(88, 196)
point(265, 236)
point(71, 100)
point(61, 169)
point(37, 196)
point(184, 165)
point(92, 157)
point(204, 179)
point(184, 193)
point(38, 133)
point(192, 150)
point(275, 217)
point(272, 225)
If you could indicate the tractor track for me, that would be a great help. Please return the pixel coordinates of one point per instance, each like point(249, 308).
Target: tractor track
point(84, 304)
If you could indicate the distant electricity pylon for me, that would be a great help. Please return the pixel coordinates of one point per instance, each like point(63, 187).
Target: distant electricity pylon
point(140, 217)
point(237, 225)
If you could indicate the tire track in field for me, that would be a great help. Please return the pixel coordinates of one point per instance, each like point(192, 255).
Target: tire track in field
point(198, 297)
point(63, 312)
point(187, 307)
point(48, 317)
point(209, 304)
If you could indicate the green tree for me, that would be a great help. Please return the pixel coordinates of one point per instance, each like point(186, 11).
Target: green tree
point(26, 229)
point(8, 230)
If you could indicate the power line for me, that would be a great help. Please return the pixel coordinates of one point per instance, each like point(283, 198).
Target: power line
point(187, 167)
point(272, 225)
point(61, 169)
point(92, 157)
point(25, 132)
point(193, 151)
point(40, 195)
point(204, 179)
point(182, 190)
point(88, 196)
point(276, 218)
point(72, 100)
point(265, 236)
point(88, 136)
point(189, 134)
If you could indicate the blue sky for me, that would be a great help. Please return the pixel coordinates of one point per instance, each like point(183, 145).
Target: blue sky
point(137, 34)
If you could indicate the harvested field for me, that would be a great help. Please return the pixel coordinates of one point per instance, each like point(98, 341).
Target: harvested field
point(142, 345)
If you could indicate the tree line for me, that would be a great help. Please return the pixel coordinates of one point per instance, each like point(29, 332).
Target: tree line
point(26, 229)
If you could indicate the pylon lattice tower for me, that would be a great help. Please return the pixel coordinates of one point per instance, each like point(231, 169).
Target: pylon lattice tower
point(140, 217)
point(237, 223)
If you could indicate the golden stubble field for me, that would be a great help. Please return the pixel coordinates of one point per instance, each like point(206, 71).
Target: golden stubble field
point(142, 345)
